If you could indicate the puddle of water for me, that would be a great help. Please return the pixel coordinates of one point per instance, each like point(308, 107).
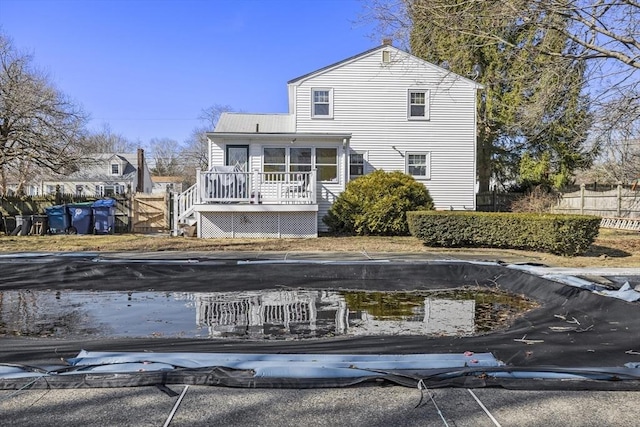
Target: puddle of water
point(282, 314)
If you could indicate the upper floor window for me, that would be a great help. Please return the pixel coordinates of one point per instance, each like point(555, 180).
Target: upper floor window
point(418, 165)
point(418, 104)
point(115, 169)
point(322, 103)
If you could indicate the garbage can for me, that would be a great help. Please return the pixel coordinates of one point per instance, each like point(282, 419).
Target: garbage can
point(80, 215)
point(104, 216)
point(23, 225)
point(58, 219)
point(39, 224)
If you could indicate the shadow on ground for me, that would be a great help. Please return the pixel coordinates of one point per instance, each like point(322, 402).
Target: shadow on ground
point(600, 251)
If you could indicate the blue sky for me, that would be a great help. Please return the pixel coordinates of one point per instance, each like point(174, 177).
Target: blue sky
point(148, 67)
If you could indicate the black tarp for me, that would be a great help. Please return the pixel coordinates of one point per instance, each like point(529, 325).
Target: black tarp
point(610, 338)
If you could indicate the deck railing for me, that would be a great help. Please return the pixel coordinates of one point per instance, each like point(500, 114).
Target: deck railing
point(257, 187)
point(275, 188)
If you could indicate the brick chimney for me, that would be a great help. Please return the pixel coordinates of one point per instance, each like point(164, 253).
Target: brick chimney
point(387, 42)
point(140, 180)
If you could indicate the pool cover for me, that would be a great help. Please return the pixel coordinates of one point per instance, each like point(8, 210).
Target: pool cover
point(577, 338)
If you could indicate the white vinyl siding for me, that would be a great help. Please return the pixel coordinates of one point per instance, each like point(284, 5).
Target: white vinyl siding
point(370, 102)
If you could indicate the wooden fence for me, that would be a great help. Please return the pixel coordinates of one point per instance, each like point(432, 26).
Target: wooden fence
point(139, 213)
point(496, 202)
point(619, 202)
point(150, 213)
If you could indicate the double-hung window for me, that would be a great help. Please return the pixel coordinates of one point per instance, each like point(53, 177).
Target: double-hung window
point(115, 169)
point(356, 164)
point(418, 164)
point(322, 103)
point(418, 104)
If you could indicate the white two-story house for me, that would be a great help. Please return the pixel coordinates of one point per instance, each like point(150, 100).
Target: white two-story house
point(276, 175)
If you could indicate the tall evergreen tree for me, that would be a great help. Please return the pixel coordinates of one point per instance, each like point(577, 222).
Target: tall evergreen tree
point(532, 102)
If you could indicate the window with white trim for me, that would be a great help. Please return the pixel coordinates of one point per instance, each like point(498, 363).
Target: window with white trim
point(418, 104)
point(115, 169)
point(109, 190)
point(356, 164)
point(322, 103)
point(327, 164)
point(418, 164)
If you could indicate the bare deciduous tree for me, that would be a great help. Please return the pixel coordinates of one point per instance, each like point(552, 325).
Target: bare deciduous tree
point(617, 135)
point(166, 157)
point(195, 153)
point(106, 141)
point(38, 124)
point(211, 114)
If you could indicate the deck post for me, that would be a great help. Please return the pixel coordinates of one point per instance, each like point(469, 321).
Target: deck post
point(314, 189)
point(198, 184)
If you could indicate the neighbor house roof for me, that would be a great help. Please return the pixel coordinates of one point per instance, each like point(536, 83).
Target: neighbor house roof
point(96, 168)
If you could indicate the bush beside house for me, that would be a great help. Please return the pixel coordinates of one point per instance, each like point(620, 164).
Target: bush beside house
point(376, 204)
point(557, 234)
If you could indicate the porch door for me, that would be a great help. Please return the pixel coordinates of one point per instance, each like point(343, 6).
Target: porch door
point(238, 155)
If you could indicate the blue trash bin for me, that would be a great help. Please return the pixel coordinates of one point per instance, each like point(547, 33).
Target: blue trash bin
point(80, 215)
point(58, 219)
point(104, 216)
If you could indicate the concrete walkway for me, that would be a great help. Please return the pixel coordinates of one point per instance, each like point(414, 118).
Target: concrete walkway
point(359, 406)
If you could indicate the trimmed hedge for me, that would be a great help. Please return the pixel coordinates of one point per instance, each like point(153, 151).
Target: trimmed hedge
point(557, 234)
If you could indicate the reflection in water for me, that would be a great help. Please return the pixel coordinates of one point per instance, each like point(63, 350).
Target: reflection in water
point(281, 314)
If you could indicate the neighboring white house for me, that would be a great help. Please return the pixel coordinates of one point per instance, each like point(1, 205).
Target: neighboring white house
point(381, 109)
point(164, 184)
point(107, 174)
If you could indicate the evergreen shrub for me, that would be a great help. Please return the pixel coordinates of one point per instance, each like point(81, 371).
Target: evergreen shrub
point(376, 204)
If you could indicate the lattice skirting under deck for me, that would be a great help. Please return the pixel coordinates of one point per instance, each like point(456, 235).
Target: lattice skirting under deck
point(258, 225)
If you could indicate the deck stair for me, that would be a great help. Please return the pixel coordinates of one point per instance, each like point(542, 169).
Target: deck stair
point(621, 223)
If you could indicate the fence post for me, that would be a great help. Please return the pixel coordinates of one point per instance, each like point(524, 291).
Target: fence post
point(619, 212)
point(58, 196)
point(493, 200)
point(582, 186)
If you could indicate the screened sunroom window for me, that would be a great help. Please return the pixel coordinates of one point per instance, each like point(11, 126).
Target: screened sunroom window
point(327, 164)
point(275, 160)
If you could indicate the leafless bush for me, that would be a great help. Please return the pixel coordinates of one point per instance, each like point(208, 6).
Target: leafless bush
point(539, 199)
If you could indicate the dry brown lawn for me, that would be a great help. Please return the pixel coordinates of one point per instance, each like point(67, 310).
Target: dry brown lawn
point(613, 248)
